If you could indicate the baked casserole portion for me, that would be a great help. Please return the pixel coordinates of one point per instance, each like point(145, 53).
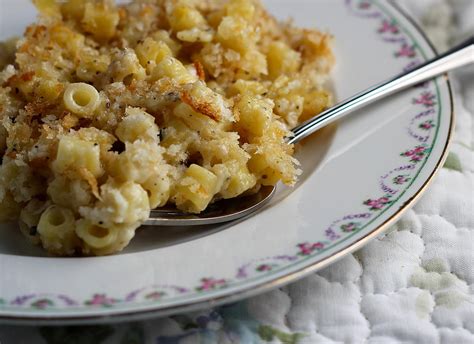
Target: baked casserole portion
point(109, 111)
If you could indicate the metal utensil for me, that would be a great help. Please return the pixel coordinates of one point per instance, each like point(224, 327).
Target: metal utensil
point(235, 208)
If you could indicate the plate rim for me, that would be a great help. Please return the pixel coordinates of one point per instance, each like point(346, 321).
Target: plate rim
point(249, 291)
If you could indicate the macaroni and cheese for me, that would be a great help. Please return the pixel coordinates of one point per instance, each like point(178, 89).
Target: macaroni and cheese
point(109, 111)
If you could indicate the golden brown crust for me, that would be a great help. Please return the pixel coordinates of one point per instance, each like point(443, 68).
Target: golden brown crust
point(200, 70)
point(201, 107)
point(91, 180)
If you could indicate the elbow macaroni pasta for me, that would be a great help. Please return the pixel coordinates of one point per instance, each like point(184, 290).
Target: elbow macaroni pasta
point(95, 236)
point(56, 228)
point(74, 154)
point(109, 111)
point(81, 99)
point(196, 189)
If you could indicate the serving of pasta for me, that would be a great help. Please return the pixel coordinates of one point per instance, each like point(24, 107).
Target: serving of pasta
point(108, 111)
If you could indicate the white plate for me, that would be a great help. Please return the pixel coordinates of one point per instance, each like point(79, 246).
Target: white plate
point(359, 177)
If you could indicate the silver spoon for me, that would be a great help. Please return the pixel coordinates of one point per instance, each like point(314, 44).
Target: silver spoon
point(235, 208)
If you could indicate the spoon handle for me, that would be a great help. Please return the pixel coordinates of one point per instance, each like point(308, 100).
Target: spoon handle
point(459, 56)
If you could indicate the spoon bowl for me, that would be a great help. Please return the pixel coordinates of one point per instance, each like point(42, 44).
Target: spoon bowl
point(218, 212)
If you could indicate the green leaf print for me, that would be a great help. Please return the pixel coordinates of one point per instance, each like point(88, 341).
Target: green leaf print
point(268, 333)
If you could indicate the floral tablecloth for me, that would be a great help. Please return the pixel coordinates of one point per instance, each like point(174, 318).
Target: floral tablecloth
point(414, 284)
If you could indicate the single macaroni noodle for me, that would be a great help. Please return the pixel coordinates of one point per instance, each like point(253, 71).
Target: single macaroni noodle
point(81, 99)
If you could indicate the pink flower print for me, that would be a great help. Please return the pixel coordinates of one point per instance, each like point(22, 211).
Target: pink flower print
point(390, 27)
point(211, 283)
point(100, 300)
point(426, 99)
point(264, 267)
point(155, 295)
point(427, 125)
point(307, 248)
point(401, 179)
point(419, 149)
point(318, 246)
point(377, 204)
point(416, 158)
point(364, 5)
point(406, 51)
point(417, 154)
point(350, 227)
point(42, 303)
